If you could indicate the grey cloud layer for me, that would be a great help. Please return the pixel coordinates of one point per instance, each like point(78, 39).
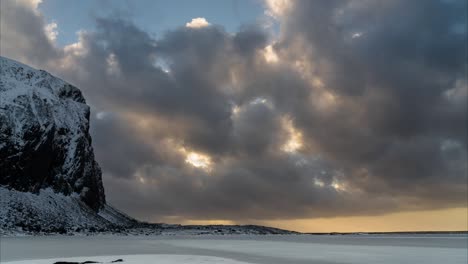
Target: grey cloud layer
point(398, 74)
point(392, 137)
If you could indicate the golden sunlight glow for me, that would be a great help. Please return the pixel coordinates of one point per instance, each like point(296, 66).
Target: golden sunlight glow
point(208, 222)
point(455, 219)
point(431, 220)
point(338, 186)
point(196, 159)
point(148, 125)
point(270, 54)
point(294, 142)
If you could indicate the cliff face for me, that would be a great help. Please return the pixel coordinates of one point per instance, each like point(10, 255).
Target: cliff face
point(44, 136)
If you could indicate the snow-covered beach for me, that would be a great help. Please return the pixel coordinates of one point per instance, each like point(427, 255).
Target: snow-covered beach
point(363, 249)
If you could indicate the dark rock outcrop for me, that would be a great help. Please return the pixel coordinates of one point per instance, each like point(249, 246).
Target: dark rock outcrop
point(44, 136)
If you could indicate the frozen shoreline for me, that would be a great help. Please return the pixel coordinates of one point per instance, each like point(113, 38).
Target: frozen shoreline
point(278, 249)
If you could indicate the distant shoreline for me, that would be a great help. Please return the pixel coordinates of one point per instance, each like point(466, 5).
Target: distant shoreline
point(390, 233)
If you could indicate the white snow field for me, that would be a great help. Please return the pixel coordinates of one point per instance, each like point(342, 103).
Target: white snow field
point(271, 249)
point(138, 259)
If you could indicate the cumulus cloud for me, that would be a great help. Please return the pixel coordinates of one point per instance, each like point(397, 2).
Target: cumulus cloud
point(345, 112)
point(198, 22)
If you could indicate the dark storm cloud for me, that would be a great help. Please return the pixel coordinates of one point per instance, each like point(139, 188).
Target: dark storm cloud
point(122, 145)
point(196, 71)
point(398, 61)
point(374, 92)
point(249, 39)
point(256, 128)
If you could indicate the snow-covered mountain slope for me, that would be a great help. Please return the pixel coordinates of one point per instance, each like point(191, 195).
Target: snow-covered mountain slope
point(48, 212)
point(49, 180)
point(51, 212)
point(44, 139)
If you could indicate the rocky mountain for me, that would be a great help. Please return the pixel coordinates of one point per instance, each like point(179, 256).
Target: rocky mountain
point(48, 174)
point(44, 135)
point(49, 179)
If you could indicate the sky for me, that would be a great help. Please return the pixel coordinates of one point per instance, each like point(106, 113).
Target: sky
point(318, 116)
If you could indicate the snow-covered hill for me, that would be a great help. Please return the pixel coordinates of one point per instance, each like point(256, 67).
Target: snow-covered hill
point(50, 212)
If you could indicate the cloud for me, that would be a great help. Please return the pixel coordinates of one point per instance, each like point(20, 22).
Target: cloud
point(355, 108)
point(51, 31)
point(24, 35)
point(197, 22)
point(391, 114)
point(277, 8)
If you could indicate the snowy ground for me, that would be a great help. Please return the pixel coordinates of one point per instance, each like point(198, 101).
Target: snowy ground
point(138, 259)
point(382, 249)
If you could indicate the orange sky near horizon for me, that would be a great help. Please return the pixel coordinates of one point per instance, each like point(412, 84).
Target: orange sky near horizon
point(455, 219)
